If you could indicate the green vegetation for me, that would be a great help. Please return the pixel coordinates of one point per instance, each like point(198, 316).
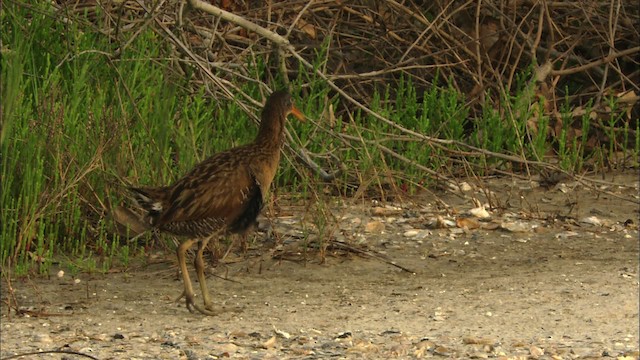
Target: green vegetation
point(75, 121)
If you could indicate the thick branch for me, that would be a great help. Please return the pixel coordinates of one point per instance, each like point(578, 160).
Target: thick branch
point(604, 60)
point(225, 15)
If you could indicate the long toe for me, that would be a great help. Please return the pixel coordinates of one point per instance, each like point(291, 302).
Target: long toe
point(209, 306)
point(206, 311)
point(210, 311)
point(190, 303)
point(179, 297)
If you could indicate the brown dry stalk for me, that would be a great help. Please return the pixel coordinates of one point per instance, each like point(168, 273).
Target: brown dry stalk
point(607, 59)
point(478, 48)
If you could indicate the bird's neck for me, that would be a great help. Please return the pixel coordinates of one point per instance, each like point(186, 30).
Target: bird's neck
point(271, 133)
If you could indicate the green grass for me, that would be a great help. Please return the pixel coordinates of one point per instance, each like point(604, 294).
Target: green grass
point(75, 121)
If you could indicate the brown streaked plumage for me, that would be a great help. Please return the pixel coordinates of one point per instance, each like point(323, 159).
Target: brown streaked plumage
point(222, 194)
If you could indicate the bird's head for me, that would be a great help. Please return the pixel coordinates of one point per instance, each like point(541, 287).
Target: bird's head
point(280, 103)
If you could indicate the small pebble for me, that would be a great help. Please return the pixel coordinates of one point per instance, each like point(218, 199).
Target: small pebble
point(374, 227)
point(480, 212)
point(42, 338)
point(386, 211)
point(536, 352)
point(479, 355)
point(410, 233)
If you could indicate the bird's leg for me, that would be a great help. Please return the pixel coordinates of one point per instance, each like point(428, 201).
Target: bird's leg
point(244, 245)
point(188, 288)
point(199, 265)
point(232, 243)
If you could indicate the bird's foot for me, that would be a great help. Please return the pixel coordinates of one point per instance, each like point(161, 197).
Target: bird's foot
point(209, 306)
point(208, 309)
point(212, 311)
point(189, 300)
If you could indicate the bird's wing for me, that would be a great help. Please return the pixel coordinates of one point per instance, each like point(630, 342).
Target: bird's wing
point(217, 190)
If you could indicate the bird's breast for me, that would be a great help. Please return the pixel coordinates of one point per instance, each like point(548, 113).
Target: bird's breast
point(264, 170)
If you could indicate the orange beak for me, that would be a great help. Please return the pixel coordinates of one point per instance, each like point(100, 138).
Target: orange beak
point(297, 113)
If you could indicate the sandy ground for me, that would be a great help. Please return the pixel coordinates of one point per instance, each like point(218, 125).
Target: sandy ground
point(552, 275)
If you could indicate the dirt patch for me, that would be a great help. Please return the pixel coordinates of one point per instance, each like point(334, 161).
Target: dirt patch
point(564, 284)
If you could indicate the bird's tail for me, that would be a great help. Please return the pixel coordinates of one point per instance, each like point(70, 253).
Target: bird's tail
point(133, 222)
point(150, 199)
point(127, 222)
